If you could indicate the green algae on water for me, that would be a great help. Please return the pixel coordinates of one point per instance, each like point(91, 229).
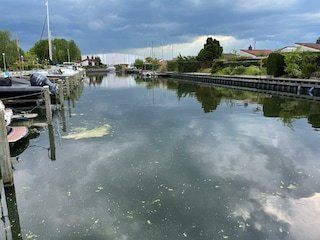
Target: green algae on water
point(80, 133)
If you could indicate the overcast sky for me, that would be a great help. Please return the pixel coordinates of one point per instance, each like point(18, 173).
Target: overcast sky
point(163, 28)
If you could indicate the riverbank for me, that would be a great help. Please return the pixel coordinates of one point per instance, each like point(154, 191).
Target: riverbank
point(310, 87)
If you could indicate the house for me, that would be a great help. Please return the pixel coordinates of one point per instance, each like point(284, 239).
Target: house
point(311, 47)
point(88, 61)
point(258, 54)
point(287, 49)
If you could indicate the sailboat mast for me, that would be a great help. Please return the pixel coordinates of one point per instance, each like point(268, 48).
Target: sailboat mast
point(49, 32)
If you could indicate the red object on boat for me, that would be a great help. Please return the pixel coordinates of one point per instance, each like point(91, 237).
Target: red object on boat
point(14, 134)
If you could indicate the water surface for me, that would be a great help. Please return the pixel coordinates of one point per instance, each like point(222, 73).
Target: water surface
point(135, 159)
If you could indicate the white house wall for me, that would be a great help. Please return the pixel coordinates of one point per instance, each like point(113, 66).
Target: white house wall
point(115, 58)
point(304, 49)
point(288, 49)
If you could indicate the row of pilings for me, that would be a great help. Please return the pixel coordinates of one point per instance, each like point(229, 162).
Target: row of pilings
point(67, 88)
point(292, 86)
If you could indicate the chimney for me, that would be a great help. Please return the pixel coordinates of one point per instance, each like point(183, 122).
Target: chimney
point(318, 41)
point(250, 48)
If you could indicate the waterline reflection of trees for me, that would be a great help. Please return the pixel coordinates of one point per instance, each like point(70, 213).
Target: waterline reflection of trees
point(287, 110)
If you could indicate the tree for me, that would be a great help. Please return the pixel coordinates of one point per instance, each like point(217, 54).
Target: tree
point(10, 49)
point(98, 61)
point(151, 63)
point(41, 50)
point(62, 50)
point(275, 64)
point(292, 61)
point(138, 63)
point(172, 65)
point(310, 63)
point(211, 50)
point(74, 51)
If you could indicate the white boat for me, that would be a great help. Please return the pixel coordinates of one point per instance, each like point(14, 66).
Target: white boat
point(148, 74)
point(57, 71)
point(111, 68)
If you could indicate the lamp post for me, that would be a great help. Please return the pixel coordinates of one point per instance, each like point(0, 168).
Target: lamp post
point(4, 62)
point(22, 63)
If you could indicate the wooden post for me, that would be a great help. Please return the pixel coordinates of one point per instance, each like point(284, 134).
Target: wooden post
point(68, 87)
point(13, 213)
point(48, 104)
point(52, 145)
point(72, 83)
point(5, 159)
point(61, 98)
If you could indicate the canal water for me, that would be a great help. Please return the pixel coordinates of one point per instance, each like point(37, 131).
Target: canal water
point(141, 159)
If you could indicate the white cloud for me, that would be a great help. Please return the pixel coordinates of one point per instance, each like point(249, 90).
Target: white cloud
point(309, 16)
point(264, 5)
point(191, 47)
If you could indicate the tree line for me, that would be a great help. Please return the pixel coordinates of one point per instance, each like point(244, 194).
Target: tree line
point(297, 64)
point(13, 56)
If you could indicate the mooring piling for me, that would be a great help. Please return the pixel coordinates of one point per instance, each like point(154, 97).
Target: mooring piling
point(5, 159)
point(61, 93)
point(48, 104)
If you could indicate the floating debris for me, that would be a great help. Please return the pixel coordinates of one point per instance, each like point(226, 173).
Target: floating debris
point(80, 133)
point(291, 187)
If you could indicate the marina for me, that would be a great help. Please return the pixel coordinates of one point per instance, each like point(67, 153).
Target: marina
point(118, 124)
point(162, 158)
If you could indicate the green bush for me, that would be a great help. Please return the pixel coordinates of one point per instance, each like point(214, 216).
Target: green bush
point(189, 66)
point(224, 71)
point(307, 69)
point(238, 70)
point(217, 65)
point(275, 64)
point(253, 70)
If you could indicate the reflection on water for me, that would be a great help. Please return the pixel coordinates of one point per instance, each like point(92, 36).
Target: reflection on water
point(163, 159)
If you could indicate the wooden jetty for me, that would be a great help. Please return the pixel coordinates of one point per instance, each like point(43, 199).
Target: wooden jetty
point(310, 87)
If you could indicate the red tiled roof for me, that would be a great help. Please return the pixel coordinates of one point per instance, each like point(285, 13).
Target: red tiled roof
point(257, 53)
point(88, 59)
point(310, 45)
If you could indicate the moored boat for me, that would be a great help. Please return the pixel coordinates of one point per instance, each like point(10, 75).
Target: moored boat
point(14, 134)
point(111, 68)
point(21, 91)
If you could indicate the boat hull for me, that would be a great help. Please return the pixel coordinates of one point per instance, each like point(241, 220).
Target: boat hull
point(19, 91)
point(16, 133)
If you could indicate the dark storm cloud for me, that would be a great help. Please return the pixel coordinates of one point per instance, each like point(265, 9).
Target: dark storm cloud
point(116, 26)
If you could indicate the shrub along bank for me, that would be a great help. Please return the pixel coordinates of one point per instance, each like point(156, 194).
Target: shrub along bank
point(294, 64)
